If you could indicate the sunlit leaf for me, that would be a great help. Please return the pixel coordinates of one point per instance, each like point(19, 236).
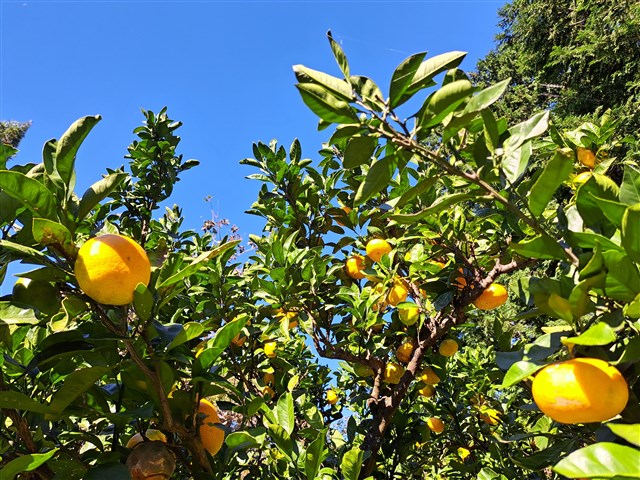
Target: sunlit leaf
point(601, 460)
point(631, 232)
point(554, 173)
point(25, 463)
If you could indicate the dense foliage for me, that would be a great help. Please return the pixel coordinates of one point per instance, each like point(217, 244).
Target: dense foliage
point(464, 198)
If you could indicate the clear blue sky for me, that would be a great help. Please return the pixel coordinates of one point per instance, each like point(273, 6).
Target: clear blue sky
point(223, 69)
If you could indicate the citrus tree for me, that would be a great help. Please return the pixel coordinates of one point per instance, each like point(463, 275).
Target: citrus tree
point(477, 282)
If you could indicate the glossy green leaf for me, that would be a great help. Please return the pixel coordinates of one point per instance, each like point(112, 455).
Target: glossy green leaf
point(440, 204)
point(602, 460)
point(419, 189)
point(339, 55)
point(285, 413)
point(190, 330)
point(25, 463)
point(490, 130)
point(325, 104)
point(14, 315)
point(23, 251)
point(282, 440)
point(336, 85)
point(368, 91)
point(442, 102)
point(20, 401)
point(539, 247)
point(489, 474)
point(486, 97)
point(68, 145)
point(241, 441)
point(143, 302)
point(74, 386)
point(597, 187)
point(30, 193)
point(631, 232)
point(630, 433)
point(314, 455)
point(630, 188)
point(623, 279)
point(6, 152)
point(594, 265)
point(48, 232)
point(421, 77)
point(632, 309)
point(531, 128)
point(351, 463)
point(554, 173)
point(107, 471)
point(377, 179)
point(519, 371)
point(98, 192)
point(598, 334)
point(196, 264)
point(403, 76)
point(515, 162)
point(359, 150)
point(590, 240)
point(222, 340)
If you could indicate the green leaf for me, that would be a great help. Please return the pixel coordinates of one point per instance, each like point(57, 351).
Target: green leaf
point(325, 104)
point(24, 252)
point(74, 386)
point(630, 433)
point(48, 232)
point(196, 264)
point(143, 302)
point(377, 179)
point(515, 162)
point(359, 150)
point(486, 97)
point(440, 204)
point(590, 240)
point(541, 247)
point(68, 145)
point(623, 279)
point(599, 334)
point(222, 340)
point(98, 192)
point(519, 371)
point(591, 211)
point(489, 474)
point(20, 401)
point(422, 77)
point(14, 315)
point(351, 464)
point(336, 85)
point(29, 192)
point(107, 471)
point(190, 330)
point(282, 439)
point(6, 152)
point(368, 91)
point(601, 460)
point(554, 173)
point(633, 309)
point(403, 76)
point(631, 232)
point(314, 456)
point(531, 128)
point(285, 413)
point(25, 463)
point(442, 102)
point(421, 187)
point(490, 130)
point(241, 441)
point(630, 188)
point(339, 55)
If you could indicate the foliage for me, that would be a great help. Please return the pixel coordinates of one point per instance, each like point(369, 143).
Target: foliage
point(456, 191)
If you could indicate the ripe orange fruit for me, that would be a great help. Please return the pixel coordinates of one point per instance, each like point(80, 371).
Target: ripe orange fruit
point(404, 351)
point(494, 296)
point(41, 295)
point(355, 267)
point(428, 376)
point(268, 378)
point(393, 373)
point(270, 349)
point(376, 248)
point(448, 347)
point(435, 424)
point(211, 436)
point(397, 293)
point(332, 397)
point(109, 268)
point(151, 435)
point(586, 157)
point(580, 390)
point(427, 391)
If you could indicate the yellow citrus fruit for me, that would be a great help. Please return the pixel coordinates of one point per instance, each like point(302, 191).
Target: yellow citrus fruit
point(267, 390)
point(270, 349)
point(355, 267)
point(292, 316)
point(41, 295)
point(580, 390)
point(381, 304)
point(393, 373)
point(332, 397)
point(268, 378)
point(409, 315)
point(211, 436)
point(109, 268)
point(490, 416)
point(151, 434)
point(428, 376)
point(494, 296)
point(448, 347)
point(463, 453)
point(586, 157)
point(397, 293)
point(151, 461)
point(238, 340)
point(427, 391)
point(435, 424)
point(404, 351)
point(376, 248)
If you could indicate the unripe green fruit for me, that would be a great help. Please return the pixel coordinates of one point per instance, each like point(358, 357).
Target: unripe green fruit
point(409, 315)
